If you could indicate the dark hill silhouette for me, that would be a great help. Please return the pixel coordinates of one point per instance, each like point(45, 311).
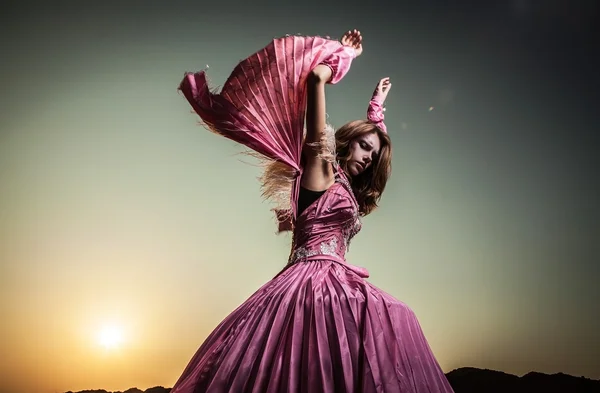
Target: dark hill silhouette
point(475, 380)
point(156, 389)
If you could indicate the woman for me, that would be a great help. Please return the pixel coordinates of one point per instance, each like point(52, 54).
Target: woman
point(318, 326)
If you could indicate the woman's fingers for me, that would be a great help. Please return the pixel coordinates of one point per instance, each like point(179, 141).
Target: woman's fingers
point(352, 38)
point(384, 85)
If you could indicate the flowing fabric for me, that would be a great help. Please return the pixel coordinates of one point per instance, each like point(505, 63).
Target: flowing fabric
point(318, 325)
point(262, 104)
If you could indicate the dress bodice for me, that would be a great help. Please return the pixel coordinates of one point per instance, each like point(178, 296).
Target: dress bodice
point(325, 228)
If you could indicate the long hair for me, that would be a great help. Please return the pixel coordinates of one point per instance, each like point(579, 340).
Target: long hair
point(277, 177)
point(369, 185)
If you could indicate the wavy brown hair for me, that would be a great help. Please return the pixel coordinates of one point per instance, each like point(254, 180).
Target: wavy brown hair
point(369, 185)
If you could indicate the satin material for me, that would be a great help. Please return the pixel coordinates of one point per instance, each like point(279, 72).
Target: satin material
point(318, 325)
point(262, 105)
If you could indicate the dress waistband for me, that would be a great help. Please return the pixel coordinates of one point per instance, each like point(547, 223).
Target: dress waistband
point(360, 271)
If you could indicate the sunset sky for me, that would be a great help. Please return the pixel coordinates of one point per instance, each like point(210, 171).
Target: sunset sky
point(118, 211)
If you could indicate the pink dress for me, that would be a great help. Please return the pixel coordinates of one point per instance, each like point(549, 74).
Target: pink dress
point(318, 325)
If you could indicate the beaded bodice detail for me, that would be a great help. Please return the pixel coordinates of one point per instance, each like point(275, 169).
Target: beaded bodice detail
point(328, 225)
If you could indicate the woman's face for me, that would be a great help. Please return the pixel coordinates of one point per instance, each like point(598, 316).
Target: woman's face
point(363, 151)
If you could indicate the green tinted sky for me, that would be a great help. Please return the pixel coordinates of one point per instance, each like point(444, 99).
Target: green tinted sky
point(117, 208)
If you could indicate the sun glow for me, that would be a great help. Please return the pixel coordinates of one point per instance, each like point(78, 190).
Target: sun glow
point(110, 337)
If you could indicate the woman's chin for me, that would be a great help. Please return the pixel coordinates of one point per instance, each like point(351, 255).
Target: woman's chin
point(354, 169)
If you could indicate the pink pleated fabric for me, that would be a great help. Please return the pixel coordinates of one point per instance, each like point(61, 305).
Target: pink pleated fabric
point(318, 325)
point(263, 102)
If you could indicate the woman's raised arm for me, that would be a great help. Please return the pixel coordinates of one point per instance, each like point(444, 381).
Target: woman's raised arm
point(318, 173)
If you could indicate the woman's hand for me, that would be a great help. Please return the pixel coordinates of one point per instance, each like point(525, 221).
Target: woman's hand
point(382, 89)
point(353, 39)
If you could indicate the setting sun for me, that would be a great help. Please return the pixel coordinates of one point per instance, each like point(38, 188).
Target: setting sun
point(110, 337)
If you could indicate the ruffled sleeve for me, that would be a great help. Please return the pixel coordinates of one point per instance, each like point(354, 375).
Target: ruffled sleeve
point(340, 64)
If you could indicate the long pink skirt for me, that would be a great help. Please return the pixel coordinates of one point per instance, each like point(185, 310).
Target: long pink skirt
point(316, 327)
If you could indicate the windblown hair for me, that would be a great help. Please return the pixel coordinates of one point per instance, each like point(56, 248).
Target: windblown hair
point(369, 185)
point(277, 177)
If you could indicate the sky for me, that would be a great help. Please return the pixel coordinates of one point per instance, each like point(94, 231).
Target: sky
point(117, 210)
